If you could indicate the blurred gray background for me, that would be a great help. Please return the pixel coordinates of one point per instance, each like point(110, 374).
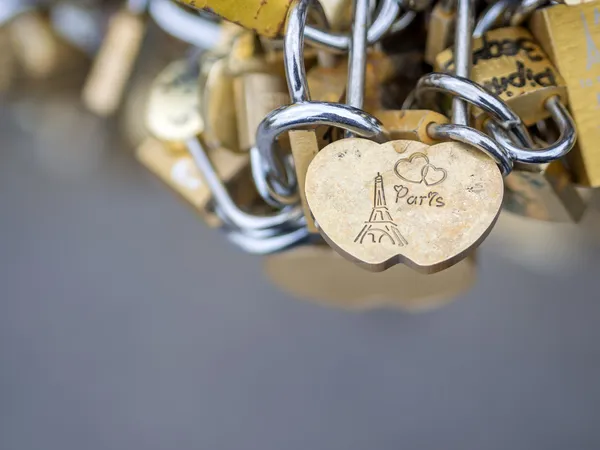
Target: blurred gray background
point(126, 324)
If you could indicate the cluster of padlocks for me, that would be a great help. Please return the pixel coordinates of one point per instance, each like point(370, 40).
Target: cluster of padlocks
point(344, 135)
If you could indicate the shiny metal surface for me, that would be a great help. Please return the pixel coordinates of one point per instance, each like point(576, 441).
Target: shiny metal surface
point(476, 95)
point(562, 146)
point(300, 116)
point(327, 40)
point(463, 56)
point(490, 16)
point(183, 25)
point(293, 52)
point(524, 10)
point(269, 245)
point(475, 138)
point(403, 22)
point(273, 193)
point(239, 218)
point(357, 60)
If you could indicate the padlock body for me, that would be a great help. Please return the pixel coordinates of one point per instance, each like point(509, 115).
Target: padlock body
point(440, 31)
point(510, 63)
point(113, 66)
point(256, 95)
point(571, 37)
point(266, 17)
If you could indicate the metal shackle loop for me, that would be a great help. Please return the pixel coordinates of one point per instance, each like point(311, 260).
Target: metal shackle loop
point(562, 146)
point(475, 138)
point(302, 116)
point(184, 25)
point(524, 10)
point(225, 203)
point(274, 176)
point(490, 17)
point(476, 95)
point(265, 246)
point(384, 22)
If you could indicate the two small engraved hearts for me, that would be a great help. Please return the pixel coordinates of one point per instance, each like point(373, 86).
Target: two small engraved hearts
point(434, 222)
point(417, 169)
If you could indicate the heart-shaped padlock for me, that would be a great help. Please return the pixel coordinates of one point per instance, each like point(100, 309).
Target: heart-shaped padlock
point(403, 201)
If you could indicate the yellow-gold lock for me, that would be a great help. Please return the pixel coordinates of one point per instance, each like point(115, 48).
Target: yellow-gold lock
point(511, 64)
point(571, 37)
point(240, 87)
point(266, 17)
point(440, 31)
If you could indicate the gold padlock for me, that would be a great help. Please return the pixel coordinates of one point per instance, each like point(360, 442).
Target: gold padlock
point(265, 17)
point(256, 95)
point(317, 273)
point(328, 84)
point(112, 68)
point(571, 37)
point(440, 30)
point(511, 64)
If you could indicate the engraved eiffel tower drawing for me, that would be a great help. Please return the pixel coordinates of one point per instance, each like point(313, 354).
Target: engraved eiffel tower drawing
point(380, 227)
point(593, 54)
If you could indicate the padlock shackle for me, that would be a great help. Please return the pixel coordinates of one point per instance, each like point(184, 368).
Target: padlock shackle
point(266, 246)
point(477, 96)
point(562, 146)
point(302, 116)
point(381, 25)
point(235, 215)
point(183, 25)
point(474, 138)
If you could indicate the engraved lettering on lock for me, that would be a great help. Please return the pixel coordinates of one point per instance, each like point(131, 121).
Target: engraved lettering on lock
point(432, 199)
point(518, 79)
point(380, 228)
point(494, 49)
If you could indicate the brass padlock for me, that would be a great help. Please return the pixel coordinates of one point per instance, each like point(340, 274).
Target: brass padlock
point(328, 84)
point(265, 17)
point(441, 29)
point(240, 86)
point(112, 68)
point(511, 64)
point(571, 37)
point(317, 273)
point(256, 95)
